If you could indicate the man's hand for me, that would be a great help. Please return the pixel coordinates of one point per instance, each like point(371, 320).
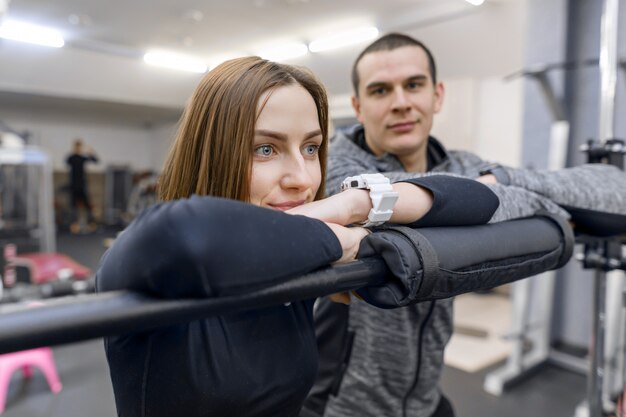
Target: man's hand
point(340, 298)
point(487, 179)
point(344, 297)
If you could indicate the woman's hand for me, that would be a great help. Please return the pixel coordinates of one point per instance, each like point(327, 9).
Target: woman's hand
point(353, 206)
point(348, 207)
point(350, 240)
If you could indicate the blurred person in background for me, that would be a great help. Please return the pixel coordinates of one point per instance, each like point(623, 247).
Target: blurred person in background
point(79, 196)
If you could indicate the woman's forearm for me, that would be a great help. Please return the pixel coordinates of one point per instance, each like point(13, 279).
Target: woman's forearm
point(428, 201)
point(353, 206)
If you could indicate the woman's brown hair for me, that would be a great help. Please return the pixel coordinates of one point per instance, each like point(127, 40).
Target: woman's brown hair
point(212, 153)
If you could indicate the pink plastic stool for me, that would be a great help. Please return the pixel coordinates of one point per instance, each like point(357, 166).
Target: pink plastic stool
point(25, 359)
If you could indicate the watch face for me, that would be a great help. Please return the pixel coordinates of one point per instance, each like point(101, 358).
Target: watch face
point(354, 184)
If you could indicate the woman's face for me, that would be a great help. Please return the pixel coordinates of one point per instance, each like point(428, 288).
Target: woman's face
point(286, 170)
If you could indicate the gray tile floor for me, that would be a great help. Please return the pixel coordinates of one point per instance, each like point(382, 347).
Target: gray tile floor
point(87, 392)
point(550, 392)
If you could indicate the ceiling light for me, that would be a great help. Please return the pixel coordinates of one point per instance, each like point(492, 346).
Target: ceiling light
point(475, 2)
point(80, 20)
point(26, 32)
point(175, 61)
point(342, 39)
point(194, 15)
point(284, 52)
point(4, 7)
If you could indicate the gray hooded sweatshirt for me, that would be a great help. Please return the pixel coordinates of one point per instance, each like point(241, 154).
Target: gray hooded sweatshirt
point(396, 357)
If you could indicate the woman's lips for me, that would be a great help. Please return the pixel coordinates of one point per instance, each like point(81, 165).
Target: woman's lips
point(287, 205)
point(402, 127)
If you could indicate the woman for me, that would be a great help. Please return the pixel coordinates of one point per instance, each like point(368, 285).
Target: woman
point(256, 132)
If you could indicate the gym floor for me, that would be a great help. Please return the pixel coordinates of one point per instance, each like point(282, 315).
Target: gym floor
point(87, 388)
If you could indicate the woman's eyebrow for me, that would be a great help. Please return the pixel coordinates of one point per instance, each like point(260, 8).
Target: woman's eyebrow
point(282, 136)
point(271, 134)
point(313, 134)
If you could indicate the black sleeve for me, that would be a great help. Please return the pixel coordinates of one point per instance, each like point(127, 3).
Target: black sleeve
point(207, 246)
point(456, 201)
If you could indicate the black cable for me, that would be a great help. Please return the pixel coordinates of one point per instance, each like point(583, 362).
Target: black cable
point(420, 342)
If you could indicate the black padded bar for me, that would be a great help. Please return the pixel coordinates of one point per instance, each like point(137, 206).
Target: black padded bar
point(466, 259)
point(72, 319)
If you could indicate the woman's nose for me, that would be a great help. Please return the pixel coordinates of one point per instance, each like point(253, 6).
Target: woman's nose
point(296, 175)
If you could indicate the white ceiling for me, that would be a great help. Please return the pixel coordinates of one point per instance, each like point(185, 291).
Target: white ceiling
point(215, 27)
point(467, 41)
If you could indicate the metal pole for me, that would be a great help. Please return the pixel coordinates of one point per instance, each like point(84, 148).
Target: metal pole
point(608, 68)
point(608, 78)
point(596, 371)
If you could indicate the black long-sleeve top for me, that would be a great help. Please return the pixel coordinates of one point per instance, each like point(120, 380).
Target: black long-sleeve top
point(256, 363)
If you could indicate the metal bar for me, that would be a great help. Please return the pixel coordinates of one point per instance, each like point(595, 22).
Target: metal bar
point(608, 81)
point(613, 382)
point(533, 71)
point(46, 226)
point(71, 319)
point(608, 68)
point(555, 105)
point(596, 366)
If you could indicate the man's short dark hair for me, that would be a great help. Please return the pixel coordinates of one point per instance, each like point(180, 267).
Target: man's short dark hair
point(389, 42)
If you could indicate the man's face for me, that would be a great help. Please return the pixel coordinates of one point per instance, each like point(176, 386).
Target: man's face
point(397, 100)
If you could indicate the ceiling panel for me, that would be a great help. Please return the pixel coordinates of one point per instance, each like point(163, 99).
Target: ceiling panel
point(468, 41)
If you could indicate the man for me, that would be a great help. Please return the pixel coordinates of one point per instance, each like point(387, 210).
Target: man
point(376, 362)
point(79, 196)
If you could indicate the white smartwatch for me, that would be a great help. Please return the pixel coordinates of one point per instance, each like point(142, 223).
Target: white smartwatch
point(381, 193)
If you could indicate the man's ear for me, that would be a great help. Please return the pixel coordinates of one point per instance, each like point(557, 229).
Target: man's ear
point(439, 96)
point(356, 105)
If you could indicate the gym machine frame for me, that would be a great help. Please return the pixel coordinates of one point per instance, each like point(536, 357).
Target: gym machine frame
point(603, 254)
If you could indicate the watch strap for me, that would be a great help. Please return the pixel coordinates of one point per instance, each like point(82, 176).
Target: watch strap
point(381, 194)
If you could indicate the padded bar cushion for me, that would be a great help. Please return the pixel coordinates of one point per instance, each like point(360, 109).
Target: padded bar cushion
point(468, 258)
point(597, 223)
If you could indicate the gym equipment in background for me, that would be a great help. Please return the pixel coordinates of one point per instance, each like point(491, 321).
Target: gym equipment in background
point(26, 202)
point(118, 182)
point(602, 237)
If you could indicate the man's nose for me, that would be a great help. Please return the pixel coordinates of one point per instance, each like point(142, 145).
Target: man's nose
point(401, 100)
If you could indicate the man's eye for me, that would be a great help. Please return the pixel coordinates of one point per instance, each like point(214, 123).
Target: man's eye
point(264, 150)
point(311, 150)
point(379, 91)
point(413, 85)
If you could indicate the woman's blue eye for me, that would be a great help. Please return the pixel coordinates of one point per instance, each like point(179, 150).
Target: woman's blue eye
point(311, 150)
point(264, 150)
